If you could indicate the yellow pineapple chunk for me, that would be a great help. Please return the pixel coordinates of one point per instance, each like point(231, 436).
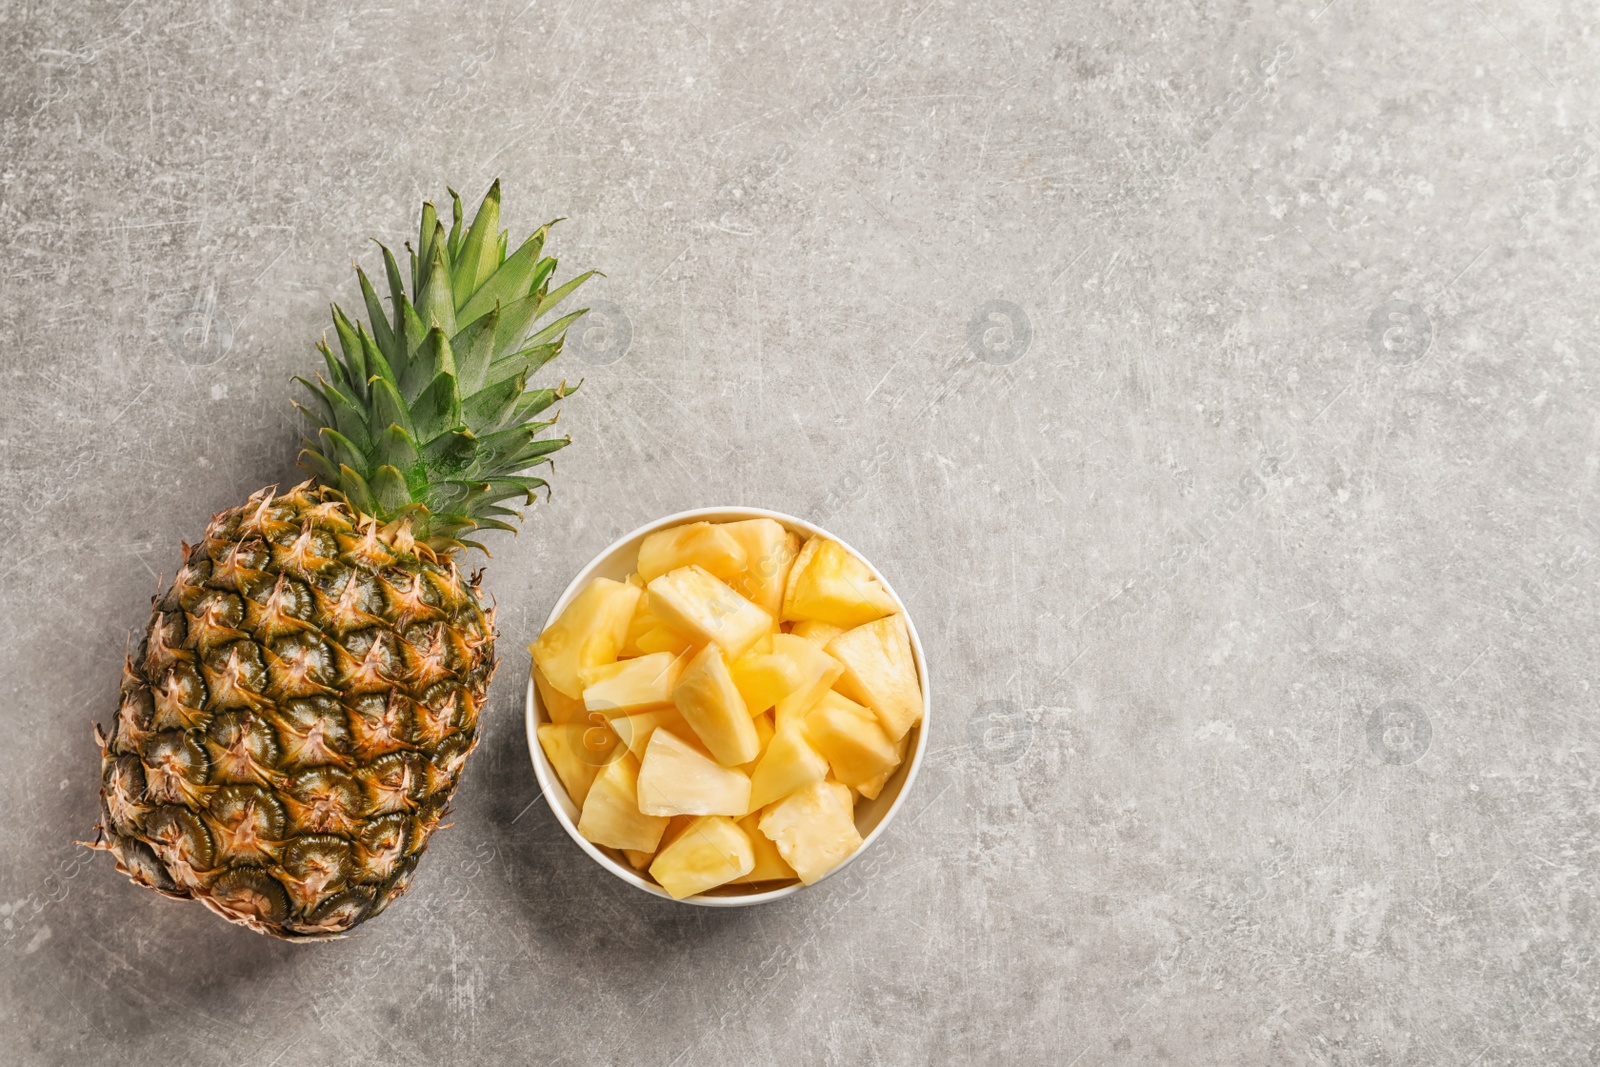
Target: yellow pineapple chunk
point(591, 631)
point(676, 779)
point(635, 730)
point(828, 584)
point(698, 544)
point(577, 751)
point(641, 623)
point(558, 707)
point(848, 736)
point(712, 706)
point(880, 672)
point(789, 678)
point(611, 814)
point(769, 551)
point(663, 638)
point(710, 852)
point(872, 788)
point(694, 602)
point(789, 763)
point(814, 828)
point(770, 865)
point(764, 732)
point(636, 859)
point(631, 685)
point(816, 631)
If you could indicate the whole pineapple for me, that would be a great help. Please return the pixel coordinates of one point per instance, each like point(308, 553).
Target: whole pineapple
point(295, 721)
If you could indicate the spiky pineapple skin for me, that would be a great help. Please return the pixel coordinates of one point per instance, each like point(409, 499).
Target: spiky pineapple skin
point(295, 721)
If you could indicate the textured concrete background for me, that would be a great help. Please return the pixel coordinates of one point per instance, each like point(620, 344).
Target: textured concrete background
point(1217, 382)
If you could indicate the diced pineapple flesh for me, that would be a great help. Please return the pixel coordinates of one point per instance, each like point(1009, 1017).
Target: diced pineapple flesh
point(631, 685)
point(611, 814)
point(769, 552)
point(880, 672)
point(697, 604)
point(790, 678)
point(710, 703)
point(675, 779)
point(577, 751)
point(816, 631)
point(788, 764)
point(770, 865)
point(873, 787)
point(848, 736)
point(714, 548)
point(828, 584)
point(558, 707)
point(590, 632)
point(711, 851)
point(634, 730)
point(813, 828)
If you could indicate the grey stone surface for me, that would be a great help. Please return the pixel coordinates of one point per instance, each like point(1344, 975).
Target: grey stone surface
point(1217, 382)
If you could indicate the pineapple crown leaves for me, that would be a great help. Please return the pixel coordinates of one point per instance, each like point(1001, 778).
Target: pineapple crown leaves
point(425, 415)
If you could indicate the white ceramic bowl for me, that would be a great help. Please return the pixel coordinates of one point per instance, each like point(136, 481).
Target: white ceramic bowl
point(872, 816)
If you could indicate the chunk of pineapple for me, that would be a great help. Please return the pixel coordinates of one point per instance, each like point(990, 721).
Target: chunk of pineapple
point(770, 865)
point(789, 763)
point(769, 552)
point(694, 602)
point(635, 730)
point(590, 631)
point(764, 732)
point(676, 779)
point(631, 685)
point(710, 703)
point(848, 736)
point(710, 852)
point(558, 707)
point(828, 584)
point(577, 751)
point(873, 787)
point(641, 623)
point(701, 544)
point(880, 672)
point(611, 814)
point(789, 678)
point(663, 638)
point(816, 631)
point(814, 829)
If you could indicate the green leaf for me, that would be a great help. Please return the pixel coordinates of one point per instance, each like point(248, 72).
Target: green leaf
point(356, 490)
point(449, 455)
point(531, 404)
point(377, 364)
point(426, 235)
point(486, 408)
point(513, 280)
point(322, 413)
point(474, 351)
point(556, 328)
point(476, 261)
point(438, 410)
point(336, 374)
point(350, 419)
point(388, 409)
point(318, 465)
point(434, 358)
point(381, 332)
point(396, 448)
point(342, 450)
point(355, 357)
point(529, 360)
point(435, 304)
point(390, 490)
point(453, 246)
point(564, 291)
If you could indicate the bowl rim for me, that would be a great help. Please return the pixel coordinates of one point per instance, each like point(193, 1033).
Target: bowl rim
point(545, 773)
